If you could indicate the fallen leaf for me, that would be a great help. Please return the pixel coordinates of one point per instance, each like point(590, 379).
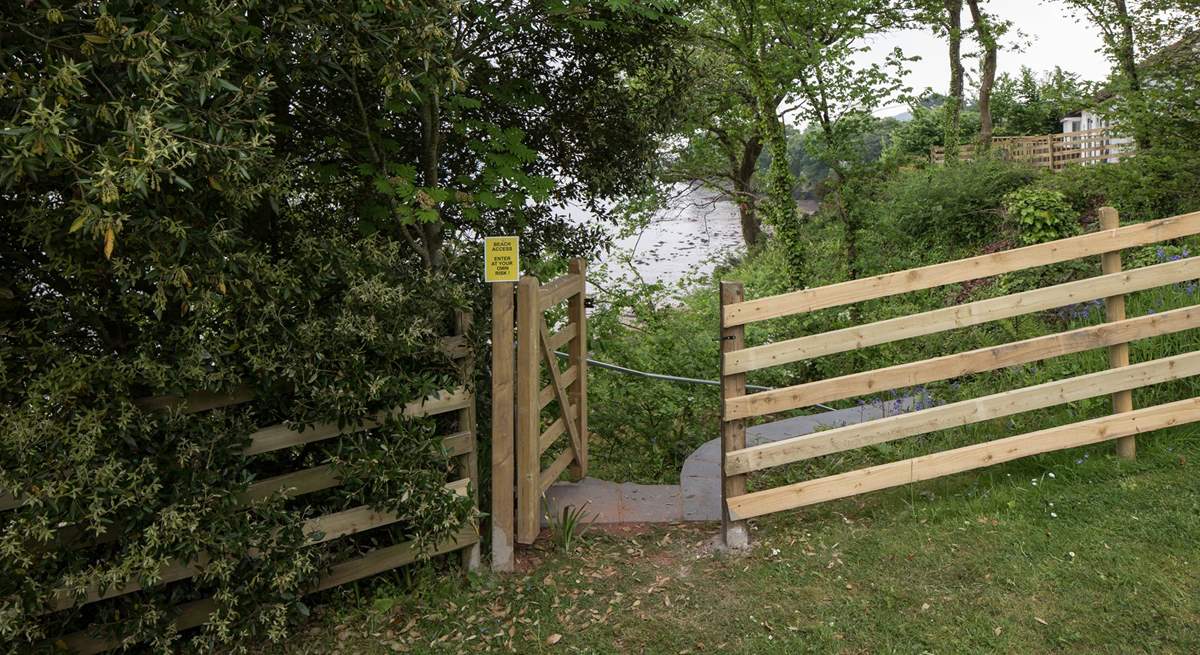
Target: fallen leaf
point(1040, 620)
point(553, 639)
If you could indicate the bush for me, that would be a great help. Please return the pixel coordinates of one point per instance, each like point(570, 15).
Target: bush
point(1040, 215)
point(156, 244)
point(1145, 187)
point(957, 204)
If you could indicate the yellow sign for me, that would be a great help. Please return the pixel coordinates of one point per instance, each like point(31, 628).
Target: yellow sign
point(501, 259)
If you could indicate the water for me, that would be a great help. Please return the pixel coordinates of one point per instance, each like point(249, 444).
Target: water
point(691, 237)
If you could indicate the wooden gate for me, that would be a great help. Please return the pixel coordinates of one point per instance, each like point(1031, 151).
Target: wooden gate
point(529, 428)
point(738, 461)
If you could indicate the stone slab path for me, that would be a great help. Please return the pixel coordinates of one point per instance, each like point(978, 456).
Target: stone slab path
point(698, 495)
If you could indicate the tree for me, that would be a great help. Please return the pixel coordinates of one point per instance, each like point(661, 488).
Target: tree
point(1135, 30)
point(745, 32)
point(795, 57)
point(987, 32)
point(201, 196)
point(915, 138)
point(1113, 19)
point(722, 137)
point(836, 95)
point(1025, 104)
point(945, 17)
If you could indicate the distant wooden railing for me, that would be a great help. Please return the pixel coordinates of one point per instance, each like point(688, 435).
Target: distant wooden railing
point(460, 444)
point(1054, 151)
point(737, 360)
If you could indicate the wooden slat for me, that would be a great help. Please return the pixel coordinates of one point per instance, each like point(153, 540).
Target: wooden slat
point(297, 484)
point(528, 419)
point(975, 313)
point(953, 415)
point(976, 456)
point(733, 431)
point(198, 401)
point(563, 336)
point(195, 613)
point(319, 478)
point(281, 436)
point(555, 430)
point(361, 518)
point(467, 466)
point(308, 480)
point(320, 530)
point(9, 501)
point(294, 484)
point(456, 347)
point(559, 465)
point(548, 392)
point(553, 293)
point(386, 559)
point(503, 427)
point(1114, 310)
point(577, 386)
point(963, 270)
point(560, 391)
point(188, 616)
point(459, 443)
point(965, 363)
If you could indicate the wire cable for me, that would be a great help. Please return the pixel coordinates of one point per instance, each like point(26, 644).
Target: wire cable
point(673, 378)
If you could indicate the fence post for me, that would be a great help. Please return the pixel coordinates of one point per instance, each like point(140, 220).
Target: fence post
point(1114, 307)
point(733, 433)
point(529, 315)
point(469, 462)
point(503, 471)
point(578, 351)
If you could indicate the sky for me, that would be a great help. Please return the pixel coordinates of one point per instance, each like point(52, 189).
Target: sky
point(1052, 37)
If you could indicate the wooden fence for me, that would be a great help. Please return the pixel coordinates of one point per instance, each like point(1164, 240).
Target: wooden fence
point(543, 414)
point(459, 443)
point(1119, 380)
point(1054, 151)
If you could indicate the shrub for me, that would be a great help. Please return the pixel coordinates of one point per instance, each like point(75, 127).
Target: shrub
point(1040, 215)
point(955, 204)
point(1148, 186)
point(155, 244)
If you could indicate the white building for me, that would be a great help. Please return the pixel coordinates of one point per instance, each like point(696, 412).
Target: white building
point(1088, 132)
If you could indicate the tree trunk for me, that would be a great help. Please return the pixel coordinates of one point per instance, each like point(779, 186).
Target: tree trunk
point(743, 189)
point(1126, 54)
point(954, 104)
point(987, 38)
point(432, 232)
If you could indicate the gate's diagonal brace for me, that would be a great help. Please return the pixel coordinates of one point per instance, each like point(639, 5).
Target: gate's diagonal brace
point(561, 393)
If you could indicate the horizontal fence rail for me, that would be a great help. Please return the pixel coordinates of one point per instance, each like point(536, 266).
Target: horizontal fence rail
point(458, 443)
point(963, 270)
point(960, 316)
point(928, 467)
point(959, 364)
point(966, 412)
point(1117, 381)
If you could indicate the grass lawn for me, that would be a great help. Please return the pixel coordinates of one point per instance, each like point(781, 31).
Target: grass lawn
point(1074, 552)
